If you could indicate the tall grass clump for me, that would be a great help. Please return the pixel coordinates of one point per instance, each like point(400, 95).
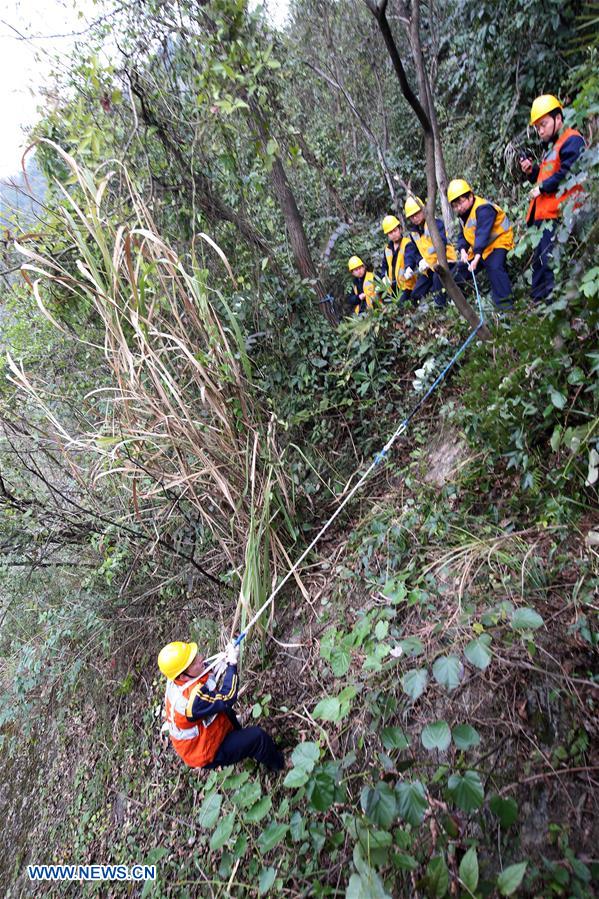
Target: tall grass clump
point(181, 430)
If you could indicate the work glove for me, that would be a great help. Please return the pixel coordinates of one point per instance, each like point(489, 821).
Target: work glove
point(423, 266)
point(231, 654)
point(408, 274)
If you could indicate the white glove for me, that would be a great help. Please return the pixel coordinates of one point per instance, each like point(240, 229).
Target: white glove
point(231, 654)
point(423, 266)
point(408, 274)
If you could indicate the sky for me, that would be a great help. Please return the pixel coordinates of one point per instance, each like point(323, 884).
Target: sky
point(29, 44)
point(25, 64)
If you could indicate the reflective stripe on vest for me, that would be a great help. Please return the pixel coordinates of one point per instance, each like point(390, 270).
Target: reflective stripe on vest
point(400, 266)
point(547, 206)
point(368, 289)
point(427, 250)
point(502, 233)
point(196, 742)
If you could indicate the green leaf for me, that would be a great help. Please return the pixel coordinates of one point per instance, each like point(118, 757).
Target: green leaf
point(340, 660)
point(478, 653)
point(379, 804)
point(505, 809)
point(210, 810)
point(437, 877)
point(328, 709)
point(295, 778)
point(222, 832)
point(305, 756)
point(321, 791)
point(465, 736)
point(381, 630)
point(414, 682)
point(466, 790)
point(259, 810)
point(395, 591)
point(448, 671)
point(436, 736)
point(558, 399)
point(411, 801)
point(526, 619)
point(267, 878)
point(469, 870)
point(248, 794)
point(394, 738)
point(272, 836)
point(412, 646)
point(510, 879)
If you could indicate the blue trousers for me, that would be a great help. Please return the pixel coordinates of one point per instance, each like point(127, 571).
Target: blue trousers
point(248, 743)
point(430, 281)
point(543, 280)
point(496, 269)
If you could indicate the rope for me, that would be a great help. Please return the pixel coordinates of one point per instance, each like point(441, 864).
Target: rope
point(216, 662)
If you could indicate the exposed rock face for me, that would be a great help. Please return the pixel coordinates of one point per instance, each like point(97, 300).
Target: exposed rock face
point(447, 453)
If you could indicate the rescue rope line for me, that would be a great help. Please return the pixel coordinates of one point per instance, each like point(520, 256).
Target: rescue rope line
point(216, 662)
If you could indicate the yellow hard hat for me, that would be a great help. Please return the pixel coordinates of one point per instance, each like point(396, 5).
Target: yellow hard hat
point(389, 223)
point(174, 658)
point(354, 262)
point(413, 205)
point(457, 188)
point(542, 106)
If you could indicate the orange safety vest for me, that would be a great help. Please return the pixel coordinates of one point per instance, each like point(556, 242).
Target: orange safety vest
point(427, 251)
point(502, 233)
point(196, 742)
point(547, 206)
point(403, 283)
point(368, 289)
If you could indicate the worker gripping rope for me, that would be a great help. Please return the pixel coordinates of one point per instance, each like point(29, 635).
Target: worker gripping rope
point(486, 237)
point(421, 255)
point(563, 147)
point(202, 725)
point(393, 269)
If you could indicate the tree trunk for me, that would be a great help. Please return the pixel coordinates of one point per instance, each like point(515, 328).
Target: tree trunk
point(378, 9)
point(293, 220)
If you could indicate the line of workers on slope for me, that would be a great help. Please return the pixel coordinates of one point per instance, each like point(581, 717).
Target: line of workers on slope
point(486, 235)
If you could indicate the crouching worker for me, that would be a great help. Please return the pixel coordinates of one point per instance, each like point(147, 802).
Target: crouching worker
point(360, 300)
point(393, 269)
point(421, 254)
point(202, 725)
point(486, 237)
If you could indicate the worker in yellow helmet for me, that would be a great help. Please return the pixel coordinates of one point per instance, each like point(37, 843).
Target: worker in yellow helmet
point(202, 725)
point(393, 269)
point(421, 255)
point(563, 146)
point(364, 289)
point(486, 237)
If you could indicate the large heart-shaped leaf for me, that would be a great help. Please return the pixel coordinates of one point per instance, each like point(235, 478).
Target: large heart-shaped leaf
point(466, 790)
point(411, 801)
point(465, 736)
point(448, 671)
point(414, 682)
point(436, 735)
point(478, 653)
point(379, 804)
